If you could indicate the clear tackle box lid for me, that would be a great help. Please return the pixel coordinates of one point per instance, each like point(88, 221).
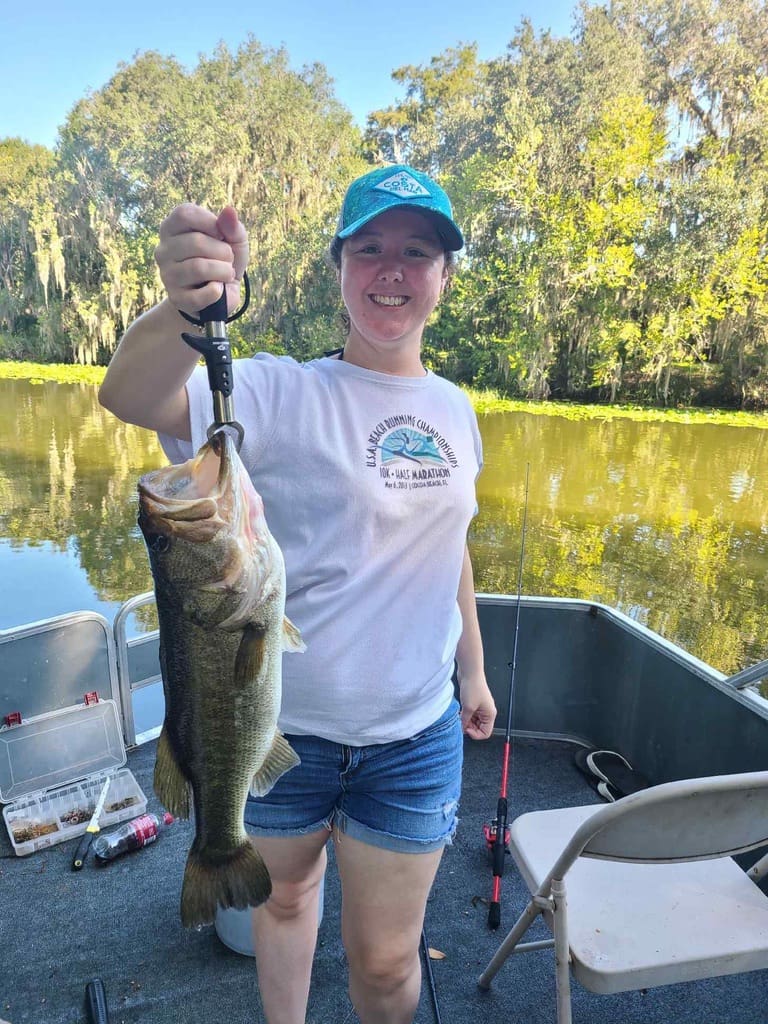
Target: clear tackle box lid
point(58, 748)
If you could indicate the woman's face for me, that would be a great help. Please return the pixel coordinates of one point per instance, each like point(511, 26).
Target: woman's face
point(392, 274)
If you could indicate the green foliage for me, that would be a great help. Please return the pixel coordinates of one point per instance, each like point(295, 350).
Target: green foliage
point(612, 187)
point(240, 128)
point(30, 248)
point(614, 191)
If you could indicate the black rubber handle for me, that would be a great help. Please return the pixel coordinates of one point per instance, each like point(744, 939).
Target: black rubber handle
point(494, 915)
point(216, 311)
point(82, 851)
point(96, 1002)
point(500, 839)
point(218, 359)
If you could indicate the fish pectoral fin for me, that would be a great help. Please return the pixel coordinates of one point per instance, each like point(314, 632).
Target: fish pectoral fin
point(292, 637)
point(280, 759)
point(173, 790)
point(250, 656)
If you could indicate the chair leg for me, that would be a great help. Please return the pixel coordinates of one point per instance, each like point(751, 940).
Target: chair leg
point(759, 869)
point(516, 933)
point(562, 952)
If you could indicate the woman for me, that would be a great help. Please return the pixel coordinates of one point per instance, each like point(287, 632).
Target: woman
point(366, 463)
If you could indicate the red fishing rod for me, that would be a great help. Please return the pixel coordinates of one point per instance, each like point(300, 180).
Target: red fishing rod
point(497, 833)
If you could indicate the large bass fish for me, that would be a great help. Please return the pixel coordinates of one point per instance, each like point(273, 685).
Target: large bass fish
point(220, 591)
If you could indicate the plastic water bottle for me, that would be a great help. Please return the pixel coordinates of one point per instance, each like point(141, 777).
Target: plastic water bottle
point(131, 836)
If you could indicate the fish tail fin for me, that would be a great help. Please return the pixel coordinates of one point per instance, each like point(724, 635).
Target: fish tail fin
point(171, 787)
point(240, 880)
point(280, 759)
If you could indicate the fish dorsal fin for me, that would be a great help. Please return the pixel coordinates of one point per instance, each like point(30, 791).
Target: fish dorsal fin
point(280, 759)
point(292, 637)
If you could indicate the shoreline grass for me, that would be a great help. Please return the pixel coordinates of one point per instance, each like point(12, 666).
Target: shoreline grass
point(489, 402)
point(62, 373)
point(483, 402)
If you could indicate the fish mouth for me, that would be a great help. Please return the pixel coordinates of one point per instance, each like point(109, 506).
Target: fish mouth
point(208, 511)
point(202, 496)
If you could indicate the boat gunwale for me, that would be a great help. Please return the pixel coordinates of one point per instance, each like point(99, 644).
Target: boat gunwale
point(748, 697)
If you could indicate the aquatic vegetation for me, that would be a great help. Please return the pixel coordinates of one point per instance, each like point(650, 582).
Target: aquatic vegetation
point(492, 402)
point(483, 401)
point(63, 373)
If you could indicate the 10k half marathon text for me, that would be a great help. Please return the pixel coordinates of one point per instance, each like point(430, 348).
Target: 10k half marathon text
point(400, 478)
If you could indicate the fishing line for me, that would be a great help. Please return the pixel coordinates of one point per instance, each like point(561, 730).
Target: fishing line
point(497, 833)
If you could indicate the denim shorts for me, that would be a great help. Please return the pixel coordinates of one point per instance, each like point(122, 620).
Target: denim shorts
point(400, 796)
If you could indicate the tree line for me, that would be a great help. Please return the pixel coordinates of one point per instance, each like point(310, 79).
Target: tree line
point(612, 186)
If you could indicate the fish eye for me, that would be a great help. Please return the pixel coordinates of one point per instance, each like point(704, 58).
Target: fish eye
point(159, 543)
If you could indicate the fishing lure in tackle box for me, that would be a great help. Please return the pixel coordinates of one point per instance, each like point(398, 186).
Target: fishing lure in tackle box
point(215, 348)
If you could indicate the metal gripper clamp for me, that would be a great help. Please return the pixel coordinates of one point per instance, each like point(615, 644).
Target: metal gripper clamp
point(215, 348)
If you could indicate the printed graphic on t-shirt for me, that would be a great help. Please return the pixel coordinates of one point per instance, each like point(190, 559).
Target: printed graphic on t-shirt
point(410, 453)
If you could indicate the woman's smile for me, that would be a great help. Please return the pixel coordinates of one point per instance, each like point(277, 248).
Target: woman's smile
point(389, 300)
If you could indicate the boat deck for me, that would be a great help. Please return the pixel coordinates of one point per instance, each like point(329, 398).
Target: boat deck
point(120, 922)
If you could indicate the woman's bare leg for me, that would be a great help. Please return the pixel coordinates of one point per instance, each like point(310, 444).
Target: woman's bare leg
point(285, 927)
point(384, 898)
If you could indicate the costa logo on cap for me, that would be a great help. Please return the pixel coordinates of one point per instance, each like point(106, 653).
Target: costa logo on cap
point(402, 184)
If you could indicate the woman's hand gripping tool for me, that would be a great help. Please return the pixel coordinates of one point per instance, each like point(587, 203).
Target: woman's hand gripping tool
point(215, 349)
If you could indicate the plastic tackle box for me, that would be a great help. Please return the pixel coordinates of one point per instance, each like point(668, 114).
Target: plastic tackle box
point(52, 770)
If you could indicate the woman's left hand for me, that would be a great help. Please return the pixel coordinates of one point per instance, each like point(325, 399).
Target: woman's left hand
point(478, 710)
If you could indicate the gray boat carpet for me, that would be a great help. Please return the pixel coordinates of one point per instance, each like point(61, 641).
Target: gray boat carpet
point(120, 923)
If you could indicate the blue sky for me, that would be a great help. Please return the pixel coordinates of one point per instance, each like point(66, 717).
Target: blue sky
point(55, 51)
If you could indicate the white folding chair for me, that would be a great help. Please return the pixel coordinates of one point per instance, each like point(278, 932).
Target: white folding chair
point(644, 892)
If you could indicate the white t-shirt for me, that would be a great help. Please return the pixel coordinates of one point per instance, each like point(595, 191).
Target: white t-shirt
point(368, 483)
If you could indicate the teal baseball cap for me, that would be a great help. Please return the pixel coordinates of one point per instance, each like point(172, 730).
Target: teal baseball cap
point(397, 185)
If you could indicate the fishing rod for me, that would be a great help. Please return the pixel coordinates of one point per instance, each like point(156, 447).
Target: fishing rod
point(497, 833)
point(430, 976)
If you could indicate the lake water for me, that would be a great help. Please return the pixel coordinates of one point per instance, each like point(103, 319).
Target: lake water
point(666, 521)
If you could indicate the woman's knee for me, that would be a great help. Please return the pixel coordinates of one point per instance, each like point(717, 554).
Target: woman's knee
point(291, 899)
point(384, 969)
point(297, 870)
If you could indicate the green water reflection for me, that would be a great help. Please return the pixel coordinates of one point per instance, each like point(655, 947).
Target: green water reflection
point(666, 521)
point(68, 476)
